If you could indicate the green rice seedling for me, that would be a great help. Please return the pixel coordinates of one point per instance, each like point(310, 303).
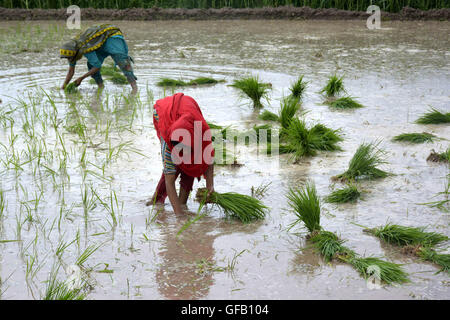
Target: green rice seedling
point(385, 271)
point(345, 103)
point(203, 81)
point(334, 87)
point(364, 164)
point(118, 78)
point(59, 290)
point(71, 88)
point(415, 137)
point(306, 205)
point(252, 88)
point(443, 260)
point(166, 82)
point(434, 116)
point(298, 88)
point(86, 254)
point(349, 193)
point(263, 130)
point(288, 109)
point(268, 116)
point(235, 205)
point(328, 244)
point(404, 236)
point(109, 70)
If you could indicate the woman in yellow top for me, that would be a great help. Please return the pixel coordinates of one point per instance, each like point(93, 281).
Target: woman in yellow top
point(96, 44)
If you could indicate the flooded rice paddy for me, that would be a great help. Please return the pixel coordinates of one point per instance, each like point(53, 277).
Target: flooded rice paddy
point(76, 171)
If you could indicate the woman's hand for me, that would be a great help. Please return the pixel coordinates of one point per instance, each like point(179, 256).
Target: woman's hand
point(78, 81)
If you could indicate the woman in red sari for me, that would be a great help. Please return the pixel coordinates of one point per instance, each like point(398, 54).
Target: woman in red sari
point(186, 149)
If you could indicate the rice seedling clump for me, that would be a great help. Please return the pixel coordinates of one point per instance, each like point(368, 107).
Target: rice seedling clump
point(364, 164)
point(306, 205)
point(289, 108)
point(298, 88)
point(303, 141)
point(349, 193)
point(71, 88)
point(416, 241)
point(415, 137)
point(268, 116)
point(334, 87)
point(235, 205)
point(385, 271)
point(118, 78)
point(402, 236)
point(167, 82)
point(434, 116)
point(252, 88)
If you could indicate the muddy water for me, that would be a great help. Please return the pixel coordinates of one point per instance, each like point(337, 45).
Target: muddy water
point(396, 72)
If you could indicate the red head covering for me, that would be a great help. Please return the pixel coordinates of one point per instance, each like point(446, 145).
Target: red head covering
point(181, 120)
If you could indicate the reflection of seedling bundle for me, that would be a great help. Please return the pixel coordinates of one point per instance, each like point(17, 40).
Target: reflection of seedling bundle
point(414, 240)
point(307, 208)
point(234, 205)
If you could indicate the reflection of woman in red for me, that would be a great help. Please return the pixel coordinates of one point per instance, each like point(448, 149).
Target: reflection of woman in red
point(186, 148)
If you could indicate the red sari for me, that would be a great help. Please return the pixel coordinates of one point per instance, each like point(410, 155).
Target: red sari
point(180, 122)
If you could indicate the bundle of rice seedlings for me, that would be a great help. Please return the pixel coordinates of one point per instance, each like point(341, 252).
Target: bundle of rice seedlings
point(434, 116)
point(350, 193)
point(302, 141)
point(298, 88)
point(334, 87)
point(203, 81)
point(403, 236)
point(167, 82)
point(252, 88)
point(442, 260)
point(118, 78)
point(109, 71)
point(71, 88)
point(328, 244)
point(364, 164)
point(386, 271)
point(306, 205)
point(289, 107)
point(268, 116)
point(415, 137)
point(345, 103)
point(235, 205)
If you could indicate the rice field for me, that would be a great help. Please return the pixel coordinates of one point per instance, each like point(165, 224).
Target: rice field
point(78, 168)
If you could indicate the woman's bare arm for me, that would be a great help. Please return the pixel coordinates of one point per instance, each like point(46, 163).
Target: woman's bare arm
point(87, 74)
point(69, 76)
point(172, 193)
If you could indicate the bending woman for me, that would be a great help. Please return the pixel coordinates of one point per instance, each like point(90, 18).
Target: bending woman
point(186, 149)
point(96, 44)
